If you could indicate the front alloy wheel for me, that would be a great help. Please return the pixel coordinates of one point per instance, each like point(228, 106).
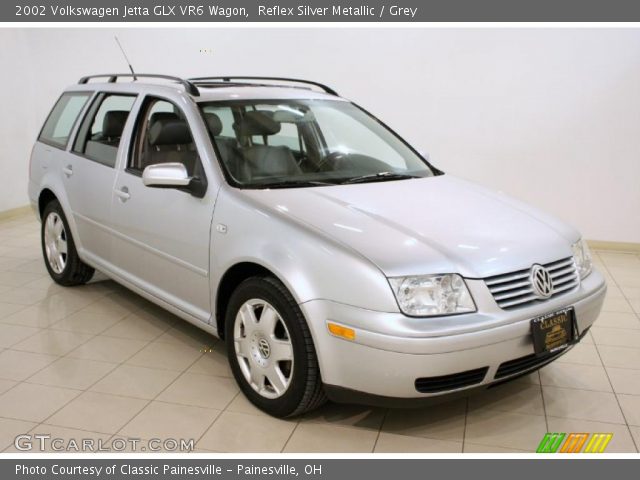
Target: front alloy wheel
point(263, 348)
point(271, 352)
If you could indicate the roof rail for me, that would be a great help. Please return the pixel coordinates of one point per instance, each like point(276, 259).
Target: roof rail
point(113, 78)
point(230, 79)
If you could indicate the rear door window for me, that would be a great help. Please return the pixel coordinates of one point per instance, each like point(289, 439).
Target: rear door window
point(59, 124)
point(99, 135)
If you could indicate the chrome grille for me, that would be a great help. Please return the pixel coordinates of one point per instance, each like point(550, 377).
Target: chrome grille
point(514, 290)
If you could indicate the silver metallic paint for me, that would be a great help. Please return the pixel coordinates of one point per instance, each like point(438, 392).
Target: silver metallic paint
point(333, 248)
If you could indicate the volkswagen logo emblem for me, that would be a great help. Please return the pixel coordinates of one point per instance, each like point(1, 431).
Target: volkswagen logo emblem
point(541, 281)
point(264, 347)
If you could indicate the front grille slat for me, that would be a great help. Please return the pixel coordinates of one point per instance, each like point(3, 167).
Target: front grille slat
point(563, 278)
point(518, 302)
point(514, 290)
point(567, 286)
point(559, 273)
point(525, 283)
point(567, 279)
point(515, 293)
point(559, 263)
point(451, 382)
point(508, 278)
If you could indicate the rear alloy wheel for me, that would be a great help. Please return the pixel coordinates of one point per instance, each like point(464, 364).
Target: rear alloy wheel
point(59, 250)
point(270, 349)
point(55, 243)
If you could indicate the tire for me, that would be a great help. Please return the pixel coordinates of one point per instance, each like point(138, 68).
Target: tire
point(258, 352)
point(59, 250)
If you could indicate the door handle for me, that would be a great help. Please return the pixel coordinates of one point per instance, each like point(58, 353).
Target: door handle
point(68, 170)
point(123, 193)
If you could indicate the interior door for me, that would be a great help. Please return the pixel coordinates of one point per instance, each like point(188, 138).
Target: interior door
point(161, 235)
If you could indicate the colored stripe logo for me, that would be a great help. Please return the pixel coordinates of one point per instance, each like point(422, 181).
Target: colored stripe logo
point(574, 443)
point(598, 442)
point(550, 442)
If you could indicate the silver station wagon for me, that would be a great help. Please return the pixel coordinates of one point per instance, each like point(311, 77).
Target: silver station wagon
point(333, 259)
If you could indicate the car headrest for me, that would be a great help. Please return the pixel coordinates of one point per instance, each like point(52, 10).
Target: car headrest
point(162, 116)
point(214, 124)
point(170, 132)
point(257, 123)
point(113, 123)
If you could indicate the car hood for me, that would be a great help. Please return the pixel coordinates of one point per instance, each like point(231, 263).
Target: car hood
point(439, 224)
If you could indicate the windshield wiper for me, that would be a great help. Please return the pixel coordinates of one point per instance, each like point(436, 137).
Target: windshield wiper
point(378, 177)
point(294, 184)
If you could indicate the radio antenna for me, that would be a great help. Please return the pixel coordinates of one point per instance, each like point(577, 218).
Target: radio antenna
point(125, 57)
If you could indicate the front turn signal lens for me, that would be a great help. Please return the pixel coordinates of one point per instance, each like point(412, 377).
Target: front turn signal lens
point(342, 332)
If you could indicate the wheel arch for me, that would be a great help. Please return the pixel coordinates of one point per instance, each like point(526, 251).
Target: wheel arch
point(230, 280)
point(47, 194)
point(45, 197)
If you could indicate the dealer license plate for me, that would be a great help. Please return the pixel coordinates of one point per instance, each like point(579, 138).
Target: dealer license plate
point(553, 331)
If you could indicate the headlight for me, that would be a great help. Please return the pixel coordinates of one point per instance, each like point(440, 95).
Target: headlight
point(428, 295)
point(582, 257)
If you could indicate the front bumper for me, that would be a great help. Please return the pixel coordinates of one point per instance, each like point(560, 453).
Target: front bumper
point(382, 365)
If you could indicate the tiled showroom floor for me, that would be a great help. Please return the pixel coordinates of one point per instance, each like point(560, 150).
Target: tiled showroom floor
point(99, 362)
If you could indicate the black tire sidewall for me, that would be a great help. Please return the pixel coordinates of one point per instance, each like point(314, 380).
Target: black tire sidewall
point(291, 315)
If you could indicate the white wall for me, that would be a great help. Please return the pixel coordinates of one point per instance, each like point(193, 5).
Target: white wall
point(549, 115)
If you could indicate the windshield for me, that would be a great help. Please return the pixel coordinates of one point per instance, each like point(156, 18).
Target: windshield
point(297, 143)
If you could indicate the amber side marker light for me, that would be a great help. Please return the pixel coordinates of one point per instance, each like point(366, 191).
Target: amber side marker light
point(342, 332)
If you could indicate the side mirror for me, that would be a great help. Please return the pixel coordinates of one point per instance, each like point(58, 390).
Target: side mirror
point(166, 175)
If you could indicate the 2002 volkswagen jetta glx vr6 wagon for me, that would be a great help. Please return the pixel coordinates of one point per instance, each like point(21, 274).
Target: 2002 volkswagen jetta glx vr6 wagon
point(334, 260)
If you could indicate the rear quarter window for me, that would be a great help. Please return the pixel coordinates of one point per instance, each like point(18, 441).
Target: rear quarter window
point(62, 118)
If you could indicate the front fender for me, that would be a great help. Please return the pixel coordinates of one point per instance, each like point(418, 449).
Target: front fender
point(310, 264)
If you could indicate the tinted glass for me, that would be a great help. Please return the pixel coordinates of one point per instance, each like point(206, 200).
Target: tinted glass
point(101, 130)
point(163, 136)
point(291, 143)
point(62, 118)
